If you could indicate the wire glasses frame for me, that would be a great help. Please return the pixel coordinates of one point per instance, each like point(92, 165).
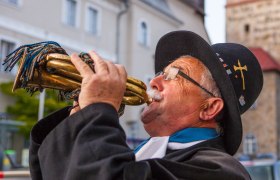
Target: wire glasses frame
point(172, 74)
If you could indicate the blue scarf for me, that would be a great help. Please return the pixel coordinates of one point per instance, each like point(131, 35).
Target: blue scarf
point(186, 136)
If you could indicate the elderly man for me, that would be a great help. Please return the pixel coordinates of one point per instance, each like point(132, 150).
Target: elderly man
point(194, 121)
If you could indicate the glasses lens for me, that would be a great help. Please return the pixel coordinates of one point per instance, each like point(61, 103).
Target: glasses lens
point(171, 73)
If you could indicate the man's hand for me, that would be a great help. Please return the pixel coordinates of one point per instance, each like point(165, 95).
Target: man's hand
point(107, 84)
point(75, 108)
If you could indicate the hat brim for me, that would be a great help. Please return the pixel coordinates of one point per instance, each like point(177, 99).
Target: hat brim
point(178, 43)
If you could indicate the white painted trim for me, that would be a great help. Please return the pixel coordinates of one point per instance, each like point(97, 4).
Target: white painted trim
point(106, 5)
point(77, 15)
point(40, 33)
point(20, 27)
point(99, 17)
point(11, 39)
point(20, 3)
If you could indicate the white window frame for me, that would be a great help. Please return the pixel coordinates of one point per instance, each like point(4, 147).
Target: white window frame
point(250, 144)
point(77, 15)
point(99, 14)
point(139, 36)
point(17, 43)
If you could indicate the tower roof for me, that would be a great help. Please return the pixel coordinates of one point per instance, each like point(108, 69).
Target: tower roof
point(239, 2)
point(267, 62)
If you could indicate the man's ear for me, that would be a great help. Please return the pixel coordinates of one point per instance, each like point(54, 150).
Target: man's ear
point(211, 108)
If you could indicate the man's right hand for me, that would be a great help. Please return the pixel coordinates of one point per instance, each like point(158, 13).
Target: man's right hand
point(107, 84)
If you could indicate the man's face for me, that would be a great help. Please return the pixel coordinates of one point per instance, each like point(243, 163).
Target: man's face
point(181, 100)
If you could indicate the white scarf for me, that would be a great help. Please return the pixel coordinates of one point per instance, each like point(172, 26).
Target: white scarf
point(156, 148)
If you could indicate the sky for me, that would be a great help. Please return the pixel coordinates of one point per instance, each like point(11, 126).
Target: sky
point(215, 20)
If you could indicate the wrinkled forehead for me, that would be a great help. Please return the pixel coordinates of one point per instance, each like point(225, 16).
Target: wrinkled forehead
point(187, 63)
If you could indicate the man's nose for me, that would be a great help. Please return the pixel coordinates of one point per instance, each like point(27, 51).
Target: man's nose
point(156, 83)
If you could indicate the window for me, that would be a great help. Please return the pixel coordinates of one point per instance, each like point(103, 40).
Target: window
point(143, 34)
point(6, 47)
point(247, 28)
point(71, 8)
point(92, 20)
point(12, 2)
point(15, 2)
point(250, 146)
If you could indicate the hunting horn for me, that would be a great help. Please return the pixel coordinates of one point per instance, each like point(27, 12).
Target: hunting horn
point(47, 65)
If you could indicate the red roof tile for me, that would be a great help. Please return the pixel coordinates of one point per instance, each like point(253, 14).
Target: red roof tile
point(266, 61)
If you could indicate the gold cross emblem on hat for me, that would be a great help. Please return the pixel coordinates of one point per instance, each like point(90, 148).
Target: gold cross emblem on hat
point(240, 68)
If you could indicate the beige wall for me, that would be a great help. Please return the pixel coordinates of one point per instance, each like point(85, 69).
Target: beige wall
point(139, 59)
point(262, 120)
point(39, 20)
point(38, 24)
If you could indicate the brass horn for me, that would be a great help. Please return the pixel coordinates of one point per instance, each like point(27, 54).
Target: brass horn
point(47, 65)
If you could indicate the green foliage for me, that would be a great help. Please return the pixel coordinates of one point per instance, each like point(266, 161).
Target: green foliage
point(26, 107)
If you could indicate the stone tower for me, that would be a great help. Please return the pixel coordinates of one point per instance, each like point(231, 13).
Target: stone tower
point(255, 24)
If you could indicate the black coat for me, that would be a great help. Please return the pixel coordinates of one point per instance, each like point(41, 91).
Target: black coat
point(91, 144)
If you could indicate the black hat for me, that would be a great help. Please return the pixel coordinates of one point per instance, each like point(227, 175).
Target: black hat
point(235, 69)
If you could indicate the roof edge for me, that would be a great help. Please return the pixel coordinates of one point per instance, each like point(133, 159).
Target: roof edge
point(197, 9)
point(241, 3)
point(274, 64)
point(171, 16)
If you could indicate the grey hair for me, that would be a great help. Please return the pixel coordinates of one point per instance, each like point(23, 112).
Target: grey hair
point(206, 80)
point(209, 83)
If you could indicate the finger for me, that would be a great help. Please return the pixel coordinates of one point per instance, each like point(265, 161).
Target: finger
point(100, 66)
point(122, 72)
point(75, 108)
point(75, 103)
point(112, 68)
point(81, 66)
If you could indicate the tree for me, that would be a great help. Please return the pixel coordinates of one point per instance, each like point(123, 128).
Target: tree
point(25, 108)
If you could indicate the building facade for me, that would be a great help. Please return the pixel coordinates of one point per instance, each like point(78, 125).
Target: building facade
point(123, 31)
point(255, 24)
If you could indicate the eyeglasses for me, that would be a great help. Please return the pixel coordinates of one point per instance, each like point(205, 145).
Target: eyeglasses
point(172, 73)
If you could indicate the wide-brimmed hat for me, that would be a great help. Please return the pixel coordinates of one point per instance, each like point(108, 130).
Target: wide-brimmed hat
point(235, 69)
